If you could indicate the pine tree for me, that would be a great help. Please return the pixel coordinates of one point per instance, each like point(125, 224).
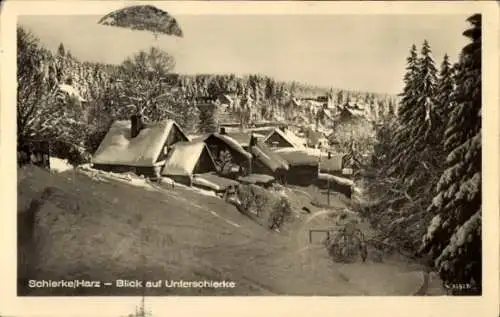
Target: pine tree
point(453, 238)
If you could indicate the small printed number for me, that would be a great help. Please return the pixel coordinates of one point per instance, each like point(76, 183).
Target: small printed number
point(458, 286)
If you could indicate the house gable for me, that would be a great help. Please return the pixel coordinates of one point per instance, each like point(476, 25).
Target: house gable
point(175, 135)
point(277, 140)
point(205, 162)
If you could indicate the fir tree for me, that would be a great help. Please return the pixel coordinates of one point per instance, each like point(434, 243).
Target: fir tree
point(61, 51)
point(444, 91)
point(416, 135)
point(406, 111)
point(453, 238)
point(409, 91)
point(426, 87)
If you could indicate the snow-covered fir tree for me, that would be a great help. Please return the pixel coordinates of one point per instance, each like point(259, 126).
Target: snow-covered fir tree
point(409, 97)
point(427, 108)
point(444, 92)
point(416, 134)
point(453, 238)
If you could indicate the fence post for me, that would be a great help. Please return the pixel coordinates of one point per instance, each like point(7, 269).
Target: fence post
point(328, 192)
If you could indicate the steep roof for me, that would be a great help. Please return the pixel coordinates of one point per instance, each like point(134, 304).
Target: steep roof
point(117, 148)
point(268, 158)
point(184, 157)
point(289, 137)
point(231, 143)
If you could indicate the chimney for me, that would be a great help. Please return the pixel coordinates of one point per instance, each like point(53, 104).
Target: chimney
point(253, 140)
point(136, 125)
point(222, 130)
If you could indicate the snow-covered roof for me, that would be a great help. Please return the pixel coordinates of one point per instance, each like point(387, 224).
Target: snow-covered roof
point(71, 91)
point(267, 157)
point(184, 157)
point(118, 148)
point(231, 143)
point(288, 136)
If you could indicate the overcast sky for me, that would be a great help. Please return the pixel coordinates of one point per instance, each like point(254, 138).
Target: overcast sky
point(359, 52)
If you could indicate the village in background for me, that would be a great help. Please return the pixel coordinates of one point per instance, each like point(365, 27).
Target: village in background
point(135, 170)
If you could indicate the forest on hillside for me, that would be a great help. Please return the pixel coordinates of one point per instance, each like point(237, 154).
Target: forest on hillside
point(424, 171)
point(146, 80)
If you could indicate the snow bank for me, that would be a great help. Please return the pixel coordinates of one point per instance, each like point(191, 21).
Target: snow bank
point(139, 181)
point(59, 165)
point(338, 180)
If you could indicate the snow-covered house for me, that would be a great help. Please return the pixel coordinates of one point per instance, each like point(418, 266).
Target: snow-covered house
point(133, 146)
point(284, 139)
